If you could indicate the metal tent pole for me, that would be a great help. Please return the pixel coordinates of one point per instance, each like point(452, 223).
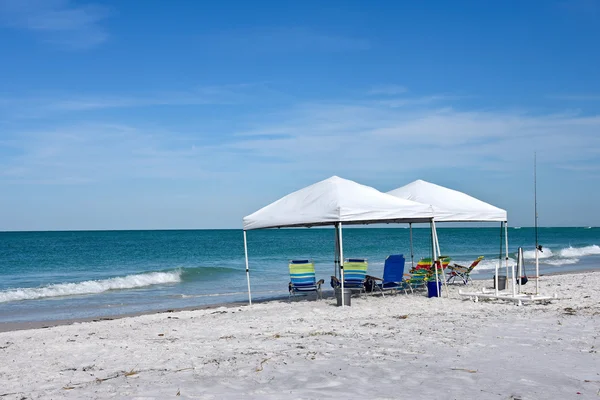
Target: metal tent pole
point(506, 259)
point(437, 242)
point(336, 260)
point(412, 255)
point(497, 267)
point(247, 269)
point(341, 262)
point(433, 256)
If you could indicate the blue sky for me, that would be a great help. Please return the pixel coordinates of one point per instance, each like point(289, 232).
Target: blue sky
point(190, 114)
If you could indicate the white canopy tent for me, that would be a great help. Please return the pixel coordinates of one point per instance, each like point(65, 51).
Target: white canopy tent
point(453, 206)
point(450, 205)
point(335, 201)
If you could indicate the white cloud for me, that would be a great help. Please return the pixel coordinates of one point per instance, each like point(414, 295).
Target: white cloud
point(48, 105)
point(576, 97)
point(61, 22)
point(253, 160)
point(283, 40)
point(397, 102)
point(85, 153)
point(387, 90)
point(379, 139)
point(311, 139)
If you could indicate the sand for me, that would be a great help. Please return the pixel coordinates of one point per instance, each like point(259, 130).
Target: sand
point(379, 348)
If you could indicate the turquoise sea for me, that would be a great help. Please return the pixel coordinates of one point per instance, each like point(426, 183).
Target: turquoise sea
point(65, 275)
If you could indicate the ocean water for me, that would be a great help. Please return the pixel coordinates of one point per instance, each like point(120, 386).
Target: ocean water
point(64, 275)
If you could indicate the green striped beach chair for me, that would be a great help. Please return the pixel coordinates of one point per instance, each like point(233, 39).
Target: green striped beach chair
point(355, 274)
point(303, 278)
point(416, 280)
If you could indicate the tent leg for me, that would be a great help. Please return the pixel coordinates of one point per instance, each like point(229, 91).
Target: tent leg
point(336, 260)
point(437, 242)
point(247, 269)
point(506, 259)
point(341, 262)
point(432, 246)
point(497, 267)
point(506, 250)
point(433, 256)
point(412, 255)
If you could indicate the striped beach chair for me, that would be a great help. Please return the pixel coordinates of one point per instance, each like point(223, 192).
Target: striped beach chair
point(424, 272)
point(462, 272)
point(425, 263)
point(417, 280)
point(355, 275)
point(303, 278)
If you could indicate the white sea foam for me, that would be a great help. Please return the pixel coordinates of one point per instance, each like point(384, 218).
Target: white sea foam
point(567, 255)
point(489, 264)
point(580, 252)
point(530, 254)
point(562, 261)
point(91, 287)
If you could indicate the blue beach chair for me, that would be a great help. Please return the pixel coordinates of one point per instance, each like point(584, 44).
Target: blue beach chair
point(393, 275)
point(303, 278)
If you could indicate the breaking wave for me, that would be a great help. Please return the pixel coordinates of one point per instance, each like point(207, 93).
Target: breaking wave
point(489, 264)
point(567, 256)
point(118, 283)
point(530, 254)
point(580, 252)
point(562, 261)
point(91, 287)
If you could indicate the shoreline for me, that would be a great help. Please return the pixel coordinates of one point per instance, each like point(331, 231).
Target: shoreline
point(406, 344)
point(327, 294)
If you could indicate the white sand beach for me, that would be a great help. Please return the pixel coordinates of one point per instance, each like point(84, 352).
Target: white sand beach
point(379, 348)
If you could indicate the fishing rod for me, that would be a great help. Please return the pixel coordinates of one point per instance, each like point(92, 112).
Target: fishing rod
point(538, 247)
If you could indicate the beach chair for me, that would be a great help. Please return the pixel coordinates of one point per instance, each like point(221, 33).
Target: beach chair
point(355, 275)
point(417, 279)
point(303, 278)
point(393, 275)
point(425, 263)
point(423, 271)
point(462, 272)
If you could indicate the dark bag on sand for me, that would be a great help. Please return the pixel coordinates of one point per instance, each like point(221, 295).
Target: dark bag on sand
point(523, 280)
point(370, 285)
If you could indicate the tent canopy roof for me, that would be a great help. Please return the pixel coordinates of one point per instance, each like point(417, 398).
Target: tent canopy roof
point(337, 200)
point(450, 205)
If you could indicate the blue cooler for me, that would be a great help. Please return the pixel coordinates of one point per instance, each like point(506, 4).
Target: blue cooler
point(431, 289)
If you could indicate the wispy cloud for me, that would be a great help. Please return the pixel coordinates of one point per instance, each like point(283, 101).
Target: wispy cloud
point(60, 22)
point(369, 138)
point(316, 139)
point(284, 40)
point(46, 105)
point(91, 153)
point(589, 8)
point(576, 97)
point(387, 90)
point(395, 102)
